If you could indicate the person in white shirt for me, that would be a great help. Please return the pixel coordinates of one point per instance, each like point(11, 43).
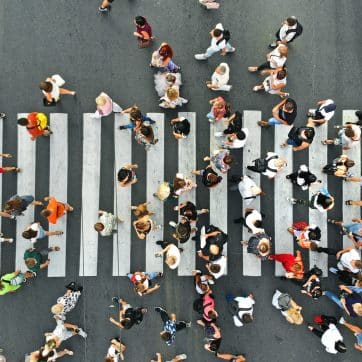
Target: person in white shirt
point(324, 112)
point(330, 336)
point(173, 253)
point(217, 268)
point(247, 188)
point(252, 220)
point(287, 32)
point(219, 42)
point(348, 136)
point(115, 351)
point(275, 59)
point(350, 260)
point(220, 78)
point(234, 140)
point(268, 166)
point(242, 309)
point(274, 83)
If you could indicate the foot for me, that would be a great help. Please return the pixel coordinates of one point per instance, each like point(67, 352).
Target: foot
point(2, 115)
point(310, 327)
point(10, 240)
point(158, 309)
point(102, 10)
point(68, 352)
point(348, 202)
point(122, 127)
point(172, 224)
point(263, 124)
point(73, 93)
point(58, 232)
point(206, 158)
point(82, 333)
point(257, 88)
point(55, 248)
point(196, 271)
point(333, 270)
point(160, 274)
point(252, 69)
point(17, 169)
point(284, 95)
point(341, 320)
point(273, 45)
point(188, 324)
point(292, 200)
point(200, 57)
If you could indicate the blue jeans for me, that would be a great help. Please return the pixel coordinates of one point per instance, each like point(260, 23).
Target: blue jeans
point(144, 119)
point(334, 298)
point(210, 115)
point(273, 121)
point(211, 51)
point(291, 142)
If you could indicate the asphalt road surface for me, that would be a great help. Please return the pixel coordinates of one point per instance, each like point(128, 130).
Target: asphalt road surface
point(97, 52)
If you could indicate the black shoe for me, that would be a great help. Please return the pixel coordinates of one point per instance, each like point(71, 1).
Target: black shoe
point(238, 221)
point(359, 114)
point(115, 301)
point(194, 238)
point(122, 127)
point(283, 278)
point(287, 177)
point(159, 242)
point(2, 115)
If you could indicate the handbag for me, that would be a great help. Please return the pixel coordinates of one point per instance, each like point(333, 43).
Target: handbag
point(144, 43)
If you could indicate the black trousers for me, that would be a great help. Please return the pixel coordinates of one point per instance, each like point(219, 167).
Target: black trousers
point(165, 317)
point(264, 66)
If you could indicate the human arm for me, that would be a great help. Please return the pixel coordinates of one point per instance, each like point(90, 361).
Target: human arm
point(6, 155)
point(45, 264)
point(153, 289)
point(131, 166)
point(275, 112)
point(112, 320)
point(165, 250)
point(202, 256)
point(303, 146)
point(127, 110)
point(345, 250)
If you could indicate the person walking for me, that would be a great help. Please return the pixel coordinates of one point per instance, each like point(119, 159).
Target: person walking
point(36, 124)
point(36, 260)
point(220, 38)
point(269, 166)
point(348, 137)
point(321, 201)
point(188, 210)
point(115, 351)
point(212, 336)
point(182, 230)
point(220, 78)
point(288, 32)
point(288, 307)
point(307, 236)
point(16, 205)
point(252, 220)
point(172, 98)
point(165, 80)
point(217, 267)
point(303, 177)
point(353, 230)
point(274, 83)
point(349, 301)
point(284, 113)
point(11, 282)
point(107, 223)
point(180, 127)
point(52, 89)
point(219, 109)
point(222, 159)
point(241, 308)
point(162, 59)
point(173, 253)
point(170, 325)
point(300, 137)
point(209, 177)
point(35, 231)
point(128, 316)
point(143, 32)
point(142, 282)
point(293, 265)
point(324, 112)
point(126, 175)
point(68, 301)
point(105, 106)
point(137, 118)
point(55, 209)
point(259, 245)
point(330, 336)
point(339, 167)
point(145, 136)
point(144, 225)
point(247, 187)
point(6, 169)
point(275, 59)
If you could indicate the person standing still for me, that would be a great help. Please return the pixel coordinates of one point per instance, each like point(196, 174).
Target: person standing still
point(219, 42)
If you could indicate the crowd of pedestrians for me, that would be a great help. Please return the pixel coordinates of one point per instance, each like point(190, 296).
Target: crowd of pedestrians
point(190, 226)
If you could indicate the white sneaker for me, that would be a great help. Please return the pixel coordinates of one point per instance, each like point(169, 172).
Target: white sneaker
point(182, 356)
point(172, 223)
point(200, 56)
point(230, 50)
point(341, 320)
point(202, 238)
point(10, 240)
point(82, 333)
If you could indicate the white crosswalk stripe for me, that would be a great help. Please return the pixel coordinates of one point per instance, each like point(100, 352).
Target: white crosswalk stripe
point(187, 156)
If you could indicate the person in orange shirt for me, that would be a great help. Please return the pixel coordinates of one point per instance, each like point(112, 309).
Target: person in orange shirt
point(55, 209)
point(36, 124)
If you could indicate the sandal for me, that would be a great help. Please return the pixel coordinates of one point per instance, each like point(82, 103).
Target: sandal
point(59, 232)
point(55, 248)
point(348, 202)
point(331, 221)
point(324, 142)
point(257, 88)
point(285, 95)
point(252, 69)
point(17, 169)
point(283, 145)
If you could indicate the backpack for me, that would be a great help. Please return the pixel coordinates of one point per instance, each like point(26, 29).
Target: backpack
point(284, 301)
point(225, 36)
point(135, 315)
point(262, 163)
point(298, 30)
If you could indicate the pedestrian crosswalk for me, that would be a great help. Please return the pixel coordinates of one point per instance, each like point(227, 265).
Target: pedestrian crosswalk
point(188, 155)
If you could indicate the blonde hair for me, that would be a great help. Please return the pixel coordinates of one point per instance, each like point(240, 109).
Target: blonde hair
point(101, 100)
point(57, 308)
point(357, 307)
point(172, 93)
point(294, 316)
point(170, 260)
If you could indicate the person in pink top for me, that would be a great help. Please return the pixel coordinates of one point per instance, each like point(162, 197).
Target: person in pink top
point(105, 106)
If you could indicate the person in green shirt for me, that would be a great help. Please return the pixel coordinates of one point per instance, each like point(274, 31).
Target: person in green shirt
point(11, 282)
point(35, 260)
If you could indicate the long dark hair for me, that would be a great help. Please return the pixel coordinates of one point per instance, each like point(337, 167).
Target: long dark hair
point(165, 51)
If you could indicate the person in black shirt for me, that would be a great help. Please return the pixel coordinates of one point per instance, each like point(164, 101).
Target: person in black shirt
point(300, 137)
point(209, 177)
point(128, 316)
point(284, 112)
point(189, 211)
point(234, 123)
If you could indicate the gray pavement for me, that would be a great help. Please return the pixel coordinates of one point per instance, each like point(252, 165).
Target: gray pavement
point(95, 52)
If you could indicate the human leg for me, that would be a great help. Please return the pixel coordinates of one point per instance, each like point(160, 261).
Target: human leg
point(353, 328)
point(328, 251)
point(181, 325)
point(273, 121)
point(163, 314)
point(334, 298)
point(264, 66)
point(66, 91)
point(152, 275)
point(316, 331)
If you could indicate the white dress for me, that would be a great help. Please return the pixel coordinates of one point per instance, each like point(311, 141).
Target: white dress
point(161, 83)
point(57, 81)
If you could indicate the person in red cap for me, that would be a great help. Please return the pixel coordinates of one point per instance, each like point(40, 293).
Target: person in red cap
point(55, 209)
